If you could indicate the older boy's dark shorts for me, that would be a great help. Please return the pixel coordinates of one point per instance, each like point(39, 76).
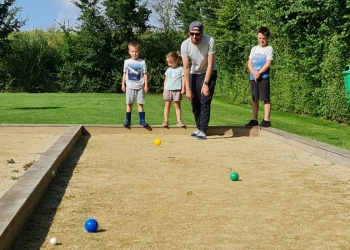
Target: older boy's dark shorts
point(261, 89)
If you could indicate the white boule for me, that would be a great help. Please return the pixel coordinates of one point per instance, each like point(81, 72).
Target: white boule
point(53, 241)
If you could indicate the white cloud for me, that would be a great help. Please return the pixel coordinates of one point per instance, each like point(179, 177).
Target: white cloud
point(67, 12)
point(67, 18)
point(68, 5)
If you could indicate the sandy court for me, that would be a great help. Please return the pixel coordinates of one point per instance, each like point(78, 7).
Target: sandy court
point(18, 150)
point(179, 196)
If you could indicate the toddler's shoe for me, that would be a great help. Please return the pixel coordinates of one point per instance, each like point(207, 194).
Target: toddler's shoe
point(181, 124)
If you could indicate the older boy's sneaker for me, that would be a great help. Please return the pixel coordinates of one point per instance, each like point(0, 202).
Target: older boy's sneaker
point(265, 124)
point(201, 135)
point(252, 123)
point(195, 133)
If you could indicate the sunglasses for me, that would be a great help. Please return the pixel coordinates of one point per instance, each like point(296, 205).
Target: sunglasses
point(194, 34)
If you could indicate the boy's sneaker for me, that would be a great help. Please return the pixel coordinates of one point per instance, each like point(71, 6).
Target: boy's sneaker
point(143, 123)
point(201, 135)
point(252, 123)
point(265, 124)
point(195, 133)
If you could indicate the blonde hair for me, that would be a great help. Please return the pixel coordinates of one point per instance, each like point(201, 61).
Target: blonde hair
point(174, 56)
point(134, 44)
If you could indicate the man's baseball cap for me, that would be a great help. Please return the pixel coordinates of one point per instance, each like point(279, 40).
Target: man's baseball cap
point(196, 27)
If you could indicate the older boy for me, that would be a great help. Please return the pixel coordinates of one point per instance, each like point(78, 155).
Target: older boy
point(135, 83)
point(259, 62)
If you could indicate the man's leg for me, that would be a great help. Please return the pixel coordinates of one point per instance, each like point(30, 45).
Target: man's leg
point(196, 101)
point(206, 103)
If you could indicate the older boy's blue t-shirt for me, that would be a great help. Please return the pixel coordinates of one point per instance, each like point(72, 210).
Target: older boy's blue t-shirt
point(260, 55)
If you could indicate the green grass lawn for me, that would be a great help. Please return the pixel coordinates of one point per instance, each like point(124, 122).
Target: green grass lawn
point(24, 108)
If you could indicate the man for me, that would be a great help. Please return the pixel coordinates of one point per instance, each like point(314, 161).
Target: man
point(200, 76)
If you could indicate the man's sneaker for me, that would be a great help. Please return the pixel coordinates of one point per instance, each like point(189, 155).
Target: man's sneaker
point(201, 135)
point(265, 124)
point(195, 133)
point(252, 123)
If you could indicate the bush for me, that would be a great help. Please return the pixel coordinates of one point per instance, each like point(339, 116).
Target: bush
point(33, 64)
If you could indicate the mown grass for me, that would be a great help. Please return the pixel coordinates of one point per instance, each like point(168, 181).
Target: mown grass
point(24, 108)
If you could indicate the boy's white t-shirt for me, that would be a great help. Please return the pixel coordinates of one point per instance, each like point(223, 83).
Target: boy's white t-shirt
point(134, 70)
point(260, 55)
point(174, 80)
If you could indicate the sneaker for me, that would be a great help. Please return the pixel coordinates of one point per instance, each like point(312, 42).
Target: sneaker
point(265, 124)
point(143, 123)
point(252, 123)
point(195, 133)
point(201, 135)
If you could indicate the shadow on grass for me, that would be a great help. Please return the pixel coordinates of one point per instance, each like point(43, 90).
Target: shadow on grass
point(38, 225)
point(30, 108)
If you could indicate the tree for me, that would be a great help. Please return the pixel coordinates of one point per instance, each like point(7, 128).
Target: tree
point(164, 12)
point(86, 54)
point(187, 11)
point(33, 62)
point(8, 23)
point(127, 21)
point(94, 53)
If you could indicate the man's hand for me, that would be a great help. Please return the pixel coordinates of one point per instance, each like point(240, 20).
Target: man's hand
point(205, 90)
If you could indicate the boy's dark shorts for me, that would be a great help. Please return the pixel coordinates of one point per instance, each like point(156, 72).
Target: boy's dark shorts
point(260, 89)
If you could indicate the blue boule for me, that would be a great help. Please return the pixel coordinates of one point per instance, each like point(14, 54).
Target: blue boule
point(91, 225)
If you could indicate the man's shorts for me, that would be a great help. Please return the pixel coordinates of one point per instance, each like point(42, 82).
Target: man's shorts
point(135, 94)
point(260, 90)
point(172, 95)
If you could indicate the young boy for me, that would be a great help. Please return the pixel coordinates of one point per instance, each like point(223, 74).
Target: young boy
point(259, 62)
point(135, 83)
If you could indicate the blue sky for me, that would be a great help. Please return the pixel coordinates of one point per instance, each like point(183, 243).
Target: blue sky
point(42, 14)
